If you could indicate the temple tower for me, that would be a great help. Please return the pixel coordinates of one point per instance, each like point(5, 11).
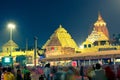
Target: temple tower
point(60, 43)
point(98, 37)
point(100, 26)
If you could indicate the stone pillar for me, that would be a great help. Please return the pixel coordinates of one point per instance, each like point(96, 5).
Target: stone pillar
point(89, 62)
point(102, 61)
point(78, 63)
point(84, 63)
point(115, 67)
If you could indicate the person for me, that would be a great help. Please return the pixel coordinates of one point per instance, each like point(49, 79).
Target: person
point(82, 72)
point(118, 73)
point(90, 73)
point(53, 71)
point(0, 71)
point(63, 76)
point(9, 75)
point(99, 73)
point(47, 71)
point(4, 70)
point(58, 74)
point(109, 73)
point(25, 71)
point(27, 76)
point(19, 75)
point(70, 76)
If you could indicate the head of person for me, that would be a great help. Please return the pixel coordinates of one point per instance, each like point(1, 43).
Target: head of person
point(71, 68)
point(98, 66)
point(18, 71)
point(90, 69)
point(60, 68)
point(9, 69)
point(47, 65)
point(25, 67)
point(65, 69)
point(4, 69)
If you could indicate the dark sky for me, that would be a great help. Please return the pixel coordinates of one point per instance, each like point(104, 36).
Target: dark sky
point(42, 17)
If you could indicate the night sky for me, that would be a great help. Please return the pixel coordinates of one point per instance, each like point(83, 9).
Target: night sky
point(42, 17)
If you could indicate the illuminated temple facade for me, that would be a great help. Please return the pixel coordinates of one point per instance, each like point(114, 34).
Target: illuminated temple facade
point(60, 43)
point(9, 45)
point(98, 39)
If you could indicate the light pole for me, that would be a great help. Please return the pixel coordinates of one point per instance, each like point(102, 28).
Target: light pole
point(35, 50)
point(11, 26)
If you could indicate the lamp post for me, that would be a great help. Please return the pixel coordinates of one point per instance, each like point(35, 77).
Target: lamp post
point(35, 49)
point(11, 26)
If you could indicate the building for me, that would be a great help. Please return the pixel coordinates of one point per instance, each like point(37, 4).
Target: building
point(60, 43)
point(10, 49)
point(62, 47)
point(96, 46)
point(10, 45)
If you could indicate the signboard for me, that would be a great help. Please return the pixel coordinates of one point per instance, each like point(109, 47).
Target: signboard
point(21, 59)
point(7, 61)
point(74, 63)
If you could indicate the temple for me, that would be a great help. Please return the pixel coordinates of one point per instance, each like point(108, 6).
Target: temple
point(100, 26)
point(60, 43)
point(9, 45)
point(62, 47)
point(98, 38)
point(96, 46)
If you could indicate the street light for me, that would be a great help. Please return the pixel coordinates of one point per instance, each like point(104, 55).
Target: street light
point(11, 26)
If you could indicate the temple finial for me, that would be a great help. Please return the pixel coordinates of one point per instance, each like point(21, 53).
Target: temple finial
point(60, 26)
point(99, 16)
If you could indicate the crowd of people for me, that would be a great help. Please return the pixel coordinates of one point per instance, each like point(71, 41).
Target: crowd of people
point(9, 73)
point(93, 72)
point(47, 72)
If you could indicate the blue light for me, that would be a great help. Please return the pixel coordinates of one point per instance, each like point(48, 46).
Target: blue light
point(7, 60)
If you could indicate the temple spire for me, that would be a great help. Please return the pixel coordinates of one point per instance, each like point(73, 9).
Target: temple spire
point(60, 26)
point(99, 17)
point(100, 25)
point(100, 21)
